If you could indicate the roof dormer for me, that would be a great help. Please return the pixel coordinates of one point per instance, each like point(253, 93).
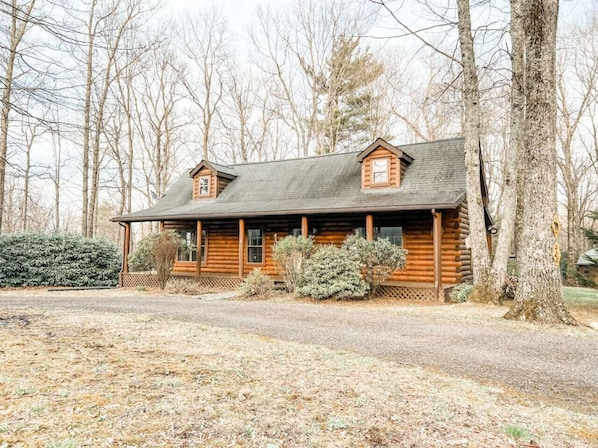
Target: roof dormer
point(209, 179)
point(382, 165)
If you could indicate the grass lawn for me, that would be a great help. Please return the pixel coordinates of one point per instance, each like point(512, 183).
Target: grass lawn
point(90, 379)
point(582, 302)
point(581, 297)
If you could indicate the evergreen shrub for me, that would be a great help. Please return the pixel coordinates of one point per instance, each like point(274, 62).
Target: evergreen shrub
point(57, 259)
point(290, 254)
point(142, 258)
point(332, 273)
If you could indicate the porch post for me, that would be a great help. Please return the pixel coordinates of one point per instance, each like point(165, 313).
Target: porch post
point(161, 226)
point(126, 246)
point(198, 249)
point(241, 247)
point(369, 227)
point(304, 227)
point(437, 238)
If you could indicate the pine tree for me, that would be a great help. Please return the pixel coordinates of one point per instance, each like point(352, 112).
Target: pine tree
point(348, 94)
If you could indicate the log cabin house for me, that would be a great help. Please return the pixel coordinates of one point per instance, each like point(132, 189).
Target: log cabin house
point(412, 194)
point(587, 265)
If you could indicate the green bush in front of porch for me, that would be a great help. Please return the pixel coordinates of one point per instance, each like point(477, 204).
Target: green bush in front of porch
point(332, 273)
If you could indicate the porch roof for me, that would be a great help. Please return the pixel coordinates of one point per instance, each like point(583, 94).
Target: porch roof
point(317, 185)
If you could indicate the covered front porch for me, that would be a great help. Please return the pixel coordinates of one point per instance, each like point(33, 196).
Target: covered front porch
point(231, 248)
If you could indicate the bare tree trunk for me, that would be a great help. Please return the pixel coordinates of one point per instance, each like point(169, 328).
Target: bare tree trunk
point(471, 132)
point(91, 34)
point(26, 172)
point(57, 147)
point(132, 9)
point(539, 297)
point(509, 201)
point(19, 21)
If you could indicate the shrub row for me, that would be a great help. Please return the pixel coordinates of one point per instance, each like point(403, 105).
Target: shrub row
point(37, 259)
point(353, 271)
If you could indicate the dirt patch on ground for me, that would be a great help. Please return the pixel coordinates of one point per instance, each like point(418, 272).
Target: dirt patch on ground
point(94, 379)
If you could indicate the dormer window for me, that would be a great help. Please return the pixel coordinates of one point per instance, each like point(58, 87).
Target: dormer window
point(204, 185)
point(380, 168)
point(382, 165)
point(209, 179)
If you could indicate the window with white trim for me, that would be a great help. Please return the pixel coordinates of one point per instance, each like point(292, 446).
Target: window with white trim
point(204, 185)
point(255, 246)
point(380, 168)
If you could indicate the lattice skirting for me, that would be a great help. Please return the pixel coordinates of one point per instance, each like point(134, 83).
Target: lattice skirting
point(219, 282)
point(139, 279)
point(407, 293)
point(148, 280)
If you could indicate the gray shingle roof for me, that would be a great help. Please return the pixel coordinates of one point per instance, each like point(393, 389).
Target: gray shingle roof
point(324, 184)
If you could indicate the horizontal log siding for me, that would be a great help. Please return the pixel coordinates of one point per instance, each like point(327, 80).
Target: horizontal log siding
point(418, 240)
point(223, 237)
point(179, 225)
point(274, 229)
point(222, 246)
point(222, 183)
point(403, 169)
point(213, 184)
point(366, 170)
point(335, 230)
point(466, 272)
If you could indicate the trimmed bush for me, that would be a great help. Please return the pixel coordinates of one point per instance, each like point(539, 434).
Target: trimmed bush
point(257, 284)
point(332, 272)
point(289, 255)
point(378, 259)
point(57, 259)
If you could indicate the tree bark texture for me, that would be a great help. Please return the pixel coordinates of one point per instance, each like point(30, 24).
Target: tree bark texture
point(509, 201)
point(19, 21)
point(471, 133)
point(539, 296)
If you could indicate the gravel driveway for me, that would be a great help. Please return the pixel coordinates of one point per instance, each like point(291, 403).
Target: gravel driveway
point(554, 366)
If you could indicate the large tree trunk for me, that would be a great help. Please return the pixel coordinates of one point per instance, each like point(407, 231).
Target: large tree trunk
point(471, 131)
point(539, 297)
point(509, 201)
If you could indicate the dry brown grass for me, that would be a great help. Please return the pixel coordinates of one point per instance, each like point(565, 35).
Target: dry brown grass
point(81, 379)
